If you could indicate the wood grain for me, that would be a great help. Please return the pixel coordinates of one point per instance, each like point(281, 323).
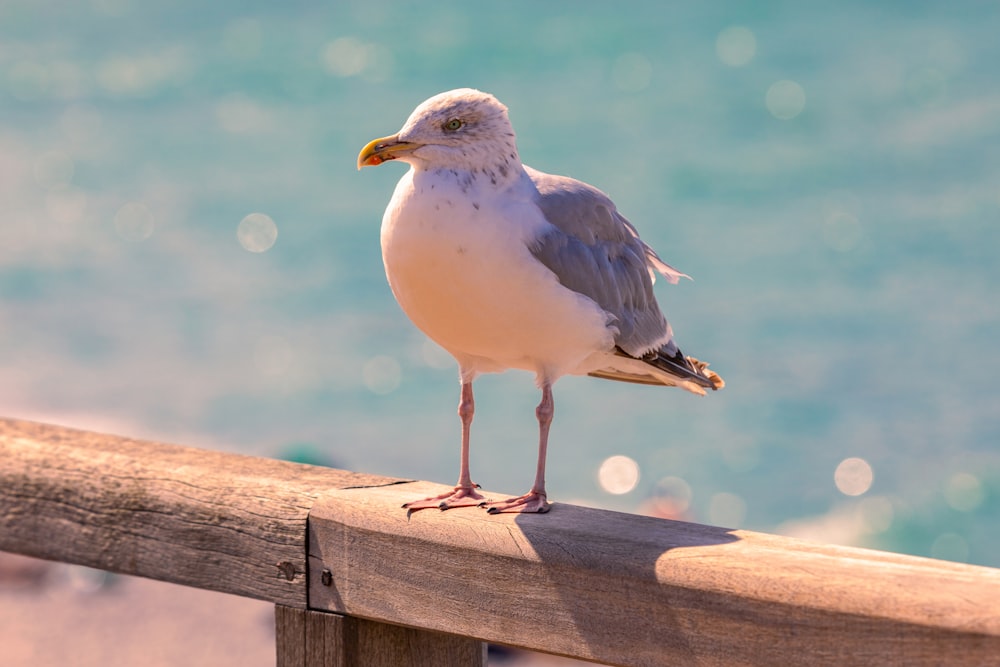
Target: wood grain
point(309, 638)
point(214, 520)
point(628, 590)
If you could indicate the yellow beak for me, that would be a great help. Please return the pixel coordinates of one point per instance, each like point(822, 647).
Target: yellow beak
point(383, 150)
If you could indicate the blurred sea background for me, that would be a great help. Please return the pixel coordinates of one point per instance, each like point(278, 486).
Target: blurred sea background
point(188, 253)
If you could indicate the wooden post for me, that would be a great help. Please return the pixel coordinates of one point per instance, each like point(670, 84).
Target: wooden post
point(306, 638)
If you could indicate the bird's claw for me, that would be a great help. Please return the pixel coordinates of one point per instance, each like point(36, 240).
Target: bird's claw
point(531, 502)
point(461, 496)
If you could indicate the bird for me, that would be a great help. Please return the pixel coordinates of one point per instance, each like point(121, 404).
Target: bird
point(507, 267)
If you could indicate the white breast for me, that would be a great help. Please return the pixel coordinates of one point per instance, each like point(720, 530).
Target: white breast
point(459, 265)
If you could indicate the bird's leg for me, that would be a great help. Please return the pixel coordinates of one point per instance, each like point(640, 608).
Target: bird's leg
point(465, 494)
point(534, 500)
point(466, 411)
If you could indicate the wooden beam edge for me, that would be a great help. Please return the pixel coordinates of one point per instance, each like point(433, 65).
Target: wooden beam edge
point(215, 520)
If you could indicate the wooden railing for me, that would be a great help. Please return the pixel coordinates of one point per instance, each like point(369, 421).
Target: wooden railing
point(357, 582)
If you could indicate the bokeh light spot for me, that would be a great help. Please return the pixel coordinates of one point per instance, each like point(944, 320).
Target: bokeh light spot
point(134, 222)
point(671, 498)
point(618, 474)
point(853, 476)
point(257, 232)
point(349, 56)
point(736, 46)
point(785, 99)
point(382, 374)
point(964, 492)
point(345, 56)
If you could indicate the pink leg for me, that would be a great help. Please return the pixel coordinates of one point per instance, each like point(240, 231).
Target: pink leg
point(534, 500)
point(465, 494)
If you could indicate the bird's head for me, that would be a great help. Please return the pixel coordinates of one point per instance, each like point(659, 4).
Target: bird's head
point(460, 129)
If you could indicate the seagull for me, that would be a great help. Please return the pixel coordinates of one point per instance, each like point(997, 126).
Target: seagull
point(507, 267)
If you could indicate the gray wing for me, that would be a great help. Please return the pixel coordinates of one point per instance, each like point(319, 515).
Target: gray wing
point(595, 251)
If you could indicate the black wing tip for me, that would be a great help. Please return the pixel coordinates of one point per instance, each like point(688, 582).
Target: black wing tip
point(685, 368)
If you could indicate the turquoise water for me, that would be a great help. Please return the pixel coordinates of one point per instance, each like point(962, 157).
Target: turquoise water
point(829, 175)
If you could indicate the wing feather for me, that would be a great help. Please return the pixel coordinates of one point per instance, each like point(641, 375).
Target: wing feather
point(595, 251)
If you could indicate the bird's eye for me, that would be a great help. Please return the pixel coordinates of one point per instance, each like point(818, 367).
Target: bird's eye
point(452, 125)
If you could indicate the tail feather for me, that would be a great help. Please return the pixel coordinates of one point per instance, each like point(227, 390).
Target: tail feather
point(659, 367)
